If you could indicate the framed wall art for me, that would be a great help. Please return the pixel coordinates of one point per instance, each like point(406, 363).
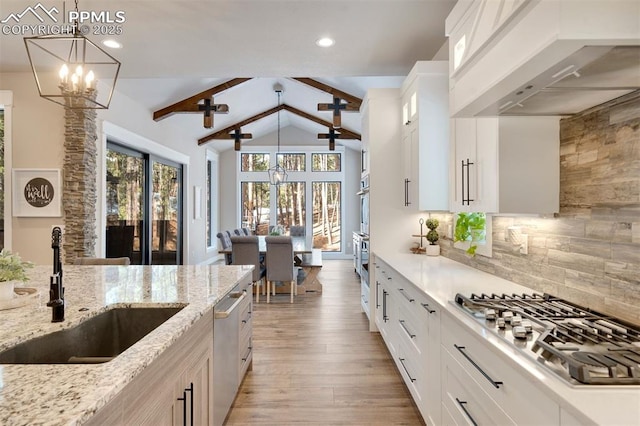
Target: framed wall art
point(37, 193)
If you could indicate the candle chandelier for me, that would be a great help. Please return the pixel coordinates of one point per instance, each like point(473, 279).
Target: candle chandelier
point(278, 174)
point(72, 71)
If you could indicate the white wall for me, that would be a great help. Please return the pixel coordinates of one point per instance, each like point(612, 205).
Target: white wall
point(38, 137)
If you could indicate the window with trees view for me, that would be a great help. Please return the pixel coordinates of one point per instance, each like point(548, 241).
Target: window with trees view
point(292, 162)
point(250, 162)
point(256, 198)
point(325, 162)
point(311, 197)
point(1, 178)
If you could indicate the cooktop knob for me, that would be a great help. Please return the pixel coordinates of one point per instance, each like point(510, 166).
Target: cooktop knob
point(507, 315)
point(500, 323)
point(490, 314)
point(527, 325)
point(519, 332)
point(516, 320)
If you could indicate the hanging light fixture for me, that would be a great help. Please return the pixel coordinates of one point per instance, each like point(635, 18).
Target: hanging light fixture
point(68, 68)
point(278, 174)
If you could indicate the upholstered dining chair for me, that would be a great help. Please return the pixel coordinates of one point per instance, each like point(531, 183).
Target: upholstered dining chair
point(238, 232)
point(280, 263)
point(296, 231)
point(225, 242)
point(246, 231)
point(124, 261)
point(245, 251)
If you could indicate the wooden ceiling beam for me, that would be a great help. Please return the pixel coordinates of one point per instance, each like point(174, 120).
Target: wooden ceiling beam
point(331, 90)
point(223, 134)
point(191, 104)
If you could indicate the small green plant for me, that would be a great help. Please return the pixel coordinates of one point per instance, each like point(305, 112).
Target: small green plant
point(470, 227)
point(12, 267)
point(432, 235)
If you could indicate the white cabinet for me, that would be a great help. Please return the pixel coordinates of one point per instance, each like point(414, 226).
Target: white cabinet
point(174, 387)
point(425, 136)
point(505, 165)
point(409, 322)
point(479, 387)
point(357, 253)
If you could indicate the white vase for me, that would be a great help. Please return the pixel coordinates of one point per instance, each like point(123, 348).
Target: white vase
point(433, 250)
point(6, 290)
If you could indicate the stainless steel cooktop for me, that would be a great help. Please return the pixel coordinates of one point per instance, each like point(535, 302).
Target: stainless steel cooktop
point(578, 344)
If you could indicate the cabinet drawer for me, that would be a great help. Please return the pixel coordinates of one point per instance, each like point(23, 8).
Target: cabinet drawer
point(245, 318)
point(246, 356)
point(465, 400)
point(503, 383)
point(410, 329)
point(411, 368)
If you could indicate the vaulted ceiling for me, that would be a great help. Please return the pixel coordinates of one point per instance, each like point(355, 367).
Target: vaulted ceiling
point(173, 49)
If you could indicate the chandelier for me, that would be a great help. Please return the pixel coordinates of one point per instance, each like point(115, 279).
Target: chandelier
point(72, 71)
point(278, 174)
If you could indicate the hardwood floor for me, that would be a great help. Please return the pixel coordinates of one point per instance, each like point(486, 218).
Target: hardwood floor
point(316, 363)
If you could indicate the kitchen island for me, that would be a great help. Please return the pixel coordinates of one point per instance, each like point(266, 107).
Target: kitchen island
point(61, 394)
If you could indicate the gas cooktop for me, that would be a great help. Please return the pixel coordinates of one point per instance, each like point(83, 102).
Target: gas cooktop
point(578, 344)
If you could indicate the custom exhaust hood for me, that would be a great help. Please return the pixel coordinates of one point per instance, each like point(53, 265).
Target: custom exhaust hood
point(591, 76)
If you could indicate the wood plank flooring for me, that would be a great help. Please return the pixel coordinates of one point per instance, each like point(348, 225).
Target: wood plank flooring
point(316, 363)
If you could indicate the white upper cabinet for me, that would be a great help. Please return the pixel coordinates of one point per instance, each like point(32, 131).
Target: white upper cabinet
point(425, 137)
point(505, 165)
point(509, 50)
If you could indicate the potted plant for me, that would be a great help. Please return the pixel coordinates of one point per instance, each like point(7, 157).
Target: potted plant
point(12, 270)
point(470, 227)
point(433, 249)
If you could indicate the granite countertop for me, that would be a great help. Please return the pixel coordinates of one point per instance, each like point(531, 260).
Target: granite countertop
point(70, 394)
point(441, 279)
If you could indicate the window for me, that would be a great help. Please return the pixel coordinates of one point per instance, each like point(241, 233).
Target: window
point(1, 178)
point(311, 197)
point(290, 205)
point(327, 224)
point(144, 205)
point(254, 162)
point(292, 162)
point(325, 162)
point(209, 228)
point(255, 213)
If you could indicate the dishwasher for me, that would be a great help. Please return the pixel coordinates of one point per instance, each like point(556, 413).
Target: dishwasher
point(226, 353)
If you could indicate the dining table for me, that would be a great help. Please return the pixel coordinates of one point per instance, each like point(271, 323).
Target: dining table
point(306, 257)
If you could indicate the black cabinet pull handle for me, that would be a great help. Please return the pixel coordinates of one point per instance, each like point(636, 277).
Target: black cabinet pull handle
point(184, 407)
point(468, 199)
point(462, 405)
point(404, 327)
point(409, 298)
point(405, 369)
point(426, 306)
point(385, 318)
point(461, 349)
point(189, 389)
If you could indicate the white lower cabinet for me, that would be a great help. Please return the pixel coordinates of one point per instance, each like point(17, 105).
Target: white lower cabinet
point(410, 326)
point(479, 387)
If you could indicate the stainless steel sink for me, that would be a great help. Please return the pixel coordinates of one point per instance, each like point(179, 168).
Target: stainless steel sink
point(96, 340)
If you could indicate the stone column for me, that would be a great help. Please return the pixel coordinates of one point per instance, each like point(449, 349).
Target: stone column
point(79, 184)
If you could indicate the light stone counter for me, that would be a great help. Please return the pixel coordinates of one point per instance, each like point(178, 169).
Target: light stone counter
point(70, 394)
point(442, 278)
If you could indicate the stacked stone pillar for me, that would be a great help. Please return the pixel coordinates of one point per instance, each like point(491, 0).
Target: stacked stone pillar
point(79, 184)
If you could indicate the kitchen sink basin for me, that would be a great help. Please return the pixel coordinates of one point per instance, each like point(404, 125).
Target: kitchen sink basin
point(97, 340)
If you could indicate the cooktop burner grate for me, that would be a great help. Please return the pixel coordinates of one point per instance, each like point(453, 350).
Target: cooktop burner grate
point(575, 342)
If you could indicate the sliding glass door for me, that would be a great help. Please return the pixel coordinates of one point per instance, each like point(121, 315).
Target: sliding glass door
point(144, 205)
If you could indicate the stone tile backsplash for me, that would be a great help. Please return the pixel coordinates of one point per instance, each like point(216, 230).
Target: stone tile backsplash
point(590, 253)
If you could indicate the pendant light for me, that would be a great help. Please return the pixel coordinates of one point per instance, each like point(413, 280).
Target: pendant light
point(67, 68)
point(278, 174)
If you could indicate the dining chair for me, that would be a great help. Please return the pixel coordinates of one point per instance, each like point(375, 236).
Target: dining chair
point(246, 231)
point(238, 232)
point(297, 231)
point(280, 263)
point(124, 261)
point(225, 242)
point(245, 251)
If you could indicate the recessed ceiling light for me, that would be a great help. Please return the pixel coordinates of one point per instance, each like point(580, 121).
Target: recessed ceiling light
point(325, 42)
point(112, 44)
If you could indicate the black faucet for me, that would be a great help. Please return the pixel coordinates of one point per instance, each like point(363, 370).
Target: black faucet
point(56, 291)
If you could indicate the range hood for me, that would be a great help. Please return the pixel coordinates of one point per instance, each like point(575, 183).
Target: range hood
point(591, 76)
